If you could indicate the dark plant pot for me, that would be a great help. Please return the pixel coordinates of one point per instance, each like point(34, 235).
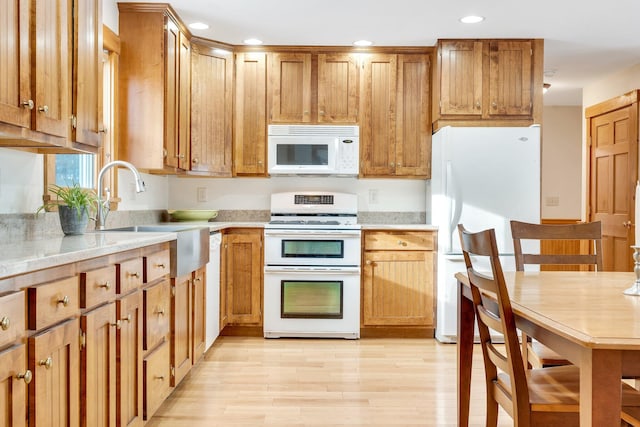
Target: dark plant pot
point(72, 221)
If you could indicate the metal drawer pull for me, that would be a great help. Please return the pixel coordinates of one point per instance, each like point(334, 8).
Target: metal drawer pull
point(160, 377)
point(134, 274)
point(4, 323)
point(127, 319)
point(27, 376)
point(106, 285)
point(161, 265)
point(64, 300)
point(160, 311)
point(118, 324)
point(47, 363)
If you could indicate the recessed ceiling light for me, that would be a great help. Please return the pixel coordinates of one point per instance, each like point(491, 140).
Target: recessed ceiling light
point(221, 51)
point(198, 26)
point(362, 43)
point(252, 42)
point(471, 19)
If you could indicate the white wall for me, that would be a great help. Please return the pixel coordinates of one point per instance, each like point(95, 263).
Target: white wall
point(561, 162)
point(110, 14)
point(21, 181)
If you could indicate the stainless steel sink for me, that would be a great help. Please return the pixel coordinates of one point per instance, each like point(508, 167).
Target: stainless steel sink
point(189, 251)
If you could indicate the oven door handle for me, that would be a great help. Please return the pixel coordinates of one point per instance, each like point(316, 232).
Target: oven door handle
point(323, 233)
point(303, 270)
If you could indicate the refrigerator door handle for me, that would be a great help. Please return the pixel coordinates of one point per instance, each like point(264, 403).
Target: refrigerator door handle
point(454, 205)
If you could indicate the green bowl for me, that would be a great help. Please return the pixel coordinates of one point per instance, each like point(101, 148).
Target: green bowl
point(192, 215)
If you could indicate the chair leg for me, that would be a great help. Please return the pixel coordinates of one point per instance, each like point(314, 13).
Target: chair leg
point(492, 412)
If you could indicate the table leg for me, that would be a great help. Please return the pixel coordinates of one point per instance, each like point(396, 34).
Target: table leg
point(465, 352)
point(600, 391)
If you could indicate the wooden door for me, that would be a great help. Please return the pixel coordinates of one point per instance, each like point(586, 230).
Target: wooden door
point(157, 312)
point(338, 88)
point(129, 409)
point(510, 78)
point(613, 137)
point(250, 137)
point(52, 67)
point(171, 107)
point(242, 261)
point(98, 367)
point(184, 102)
point(198, 304)
point(54, 391)
point(413, 125)
point(15, 78)
point(211, 109)
point(180, 327)
point(87, 72)
point(290, 87)
point(14, 378)
point(460, 77)
point(378, 115)
point(398, 288)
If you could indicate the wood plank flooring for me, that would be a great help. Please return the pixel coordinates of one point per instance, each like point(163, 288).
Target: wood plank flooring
point(323, 382)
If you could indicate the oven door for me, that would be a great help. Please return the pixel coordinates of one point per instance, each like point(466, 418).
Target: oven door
point(312, 247)
point(320, 302)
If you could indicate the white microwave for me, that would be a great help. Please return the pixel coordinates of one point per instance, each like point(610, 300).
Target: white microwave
point(313, 150)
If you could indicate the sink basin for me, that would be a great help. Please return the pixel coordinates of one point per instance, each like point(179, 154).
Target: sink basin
point(189, 251)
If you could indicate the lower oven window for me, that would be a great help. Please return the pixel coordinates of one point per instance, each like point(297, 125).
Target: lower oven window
point(311, 299)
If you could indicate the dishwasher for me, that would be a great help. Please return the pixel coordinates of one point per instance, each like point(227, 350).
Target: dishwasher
point(213, 290)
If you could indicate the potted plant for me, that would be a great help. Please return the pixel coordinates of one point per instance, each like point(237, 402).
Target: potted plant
point(74, 204)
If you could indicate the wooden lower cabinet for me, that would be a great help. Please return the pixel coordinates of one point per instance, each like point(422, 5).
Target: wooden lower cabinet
point(14, 381)
point(398, 282)
point(54, 360)
point(129, 361)
point(156, 314)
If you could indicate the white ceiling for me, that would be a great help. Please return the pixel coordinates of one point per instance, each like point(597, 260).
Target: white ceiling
point(584, 40)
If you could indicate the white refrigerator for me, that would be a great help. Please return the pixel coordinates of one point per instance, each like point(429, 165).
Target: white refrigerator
point(482, 177)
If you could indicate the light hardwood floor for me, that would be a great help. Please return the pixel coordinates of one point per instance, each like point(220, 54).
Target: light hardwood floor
point(309, 382)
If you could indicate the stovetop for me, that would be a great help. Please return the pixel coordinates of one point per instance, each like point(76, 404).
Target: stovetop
point(314, 210)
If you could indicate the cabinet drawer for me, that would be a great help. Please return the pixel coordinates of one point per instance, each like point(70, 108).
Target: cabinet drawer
point(399, 241)
point(97, 286)
point(157, 310)
point(52, 302)
point(129, 275)
point(157, 372)
point(12, 317)
point(156, 265)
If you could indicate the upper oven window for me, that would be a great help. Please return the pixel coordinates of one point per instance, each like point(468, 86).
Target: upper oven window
point(312, 248)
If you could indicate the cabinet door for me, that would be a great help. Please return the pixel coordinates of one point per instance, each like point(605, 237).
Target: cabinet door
point(157, 306)
point(54, 361)
point(413, 124)
point(461, 77)
point(14, 378)
point(98, 367)
point(510, 83)
point(52, 67)
point(129, 361)
point(184, 102)
point(15, 78)
point(171, 107)
point(378, 114)
point(180, 327)
point(250, 142)
point(338, 88)
point(198, 305)
point(211, 107)
point(87, 69)
point(398, 288)
point(290, 87)
point(242, 261)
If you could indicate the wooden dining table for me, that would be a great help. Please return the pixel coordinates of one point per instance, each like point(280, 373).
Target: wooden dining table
point(584, 316)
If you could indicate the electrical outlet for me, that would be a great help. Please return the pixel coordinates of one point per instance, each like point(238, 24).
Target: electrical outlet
point(373, 196)
point(202, 194)
point(552, 201)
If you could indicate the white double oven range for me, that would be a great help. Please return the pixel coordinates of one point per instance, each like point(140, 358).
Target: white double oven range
point(312, 266)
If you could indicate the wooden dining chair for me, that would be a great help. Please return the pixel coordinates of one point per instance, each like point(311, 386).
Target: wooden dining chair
point(532, 397)
point(535, 353)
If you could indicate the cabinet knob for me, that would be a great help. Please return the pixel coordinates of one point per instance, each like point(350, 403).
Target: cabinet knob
point(392, 164)
point(102, 129)
point(368, 262)
point(64, 300)
point(321, 113)
point(494, 105)
point(134, 274)
point(106, 285)
point(401, 243)
point(117, 324)
point(478, 105)
point(194, 160)
point(47, 363)
point(160, 311)
point(4, 323)
point(180, 156)
point(28, 104)
point(259, 162)
point(44, 109)
point(160, 377)
point(160, 265)
point(27, 376)
point(127, 319)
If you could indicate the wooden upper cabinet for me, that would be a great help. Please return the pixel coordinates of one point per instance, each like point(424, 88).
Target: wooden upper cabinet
point(153, 91)
point(290, 87)
point(250, 137)
point(488, 83)
point(87, 73)
point(337, 88)
point(211, 111)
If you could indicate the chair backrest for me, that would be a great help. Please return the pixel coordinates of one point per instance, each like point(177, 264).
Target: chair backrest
point(590, 231)
point(493, 311)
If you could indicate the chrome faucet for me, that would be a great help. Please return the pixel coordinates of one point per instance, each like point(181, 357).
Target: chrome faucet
point(103, 205)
